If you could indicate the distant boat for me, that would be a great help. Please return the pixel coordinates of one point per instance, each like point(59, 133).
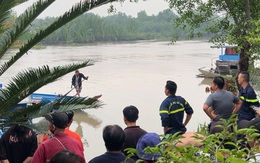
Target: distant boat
point(226, 64)
point(207, 72)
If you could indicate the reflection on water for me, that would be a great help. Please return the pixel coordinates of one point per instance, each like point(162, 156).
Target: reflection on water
point(81, 117)
point(206, 81)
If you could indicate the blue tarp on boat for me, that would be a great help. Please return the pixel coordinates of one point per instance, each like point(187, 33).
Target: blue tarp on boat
point(44, 96)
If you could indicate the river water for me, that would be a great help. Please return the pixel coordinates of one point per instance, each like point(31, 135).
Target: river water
point(126, 74)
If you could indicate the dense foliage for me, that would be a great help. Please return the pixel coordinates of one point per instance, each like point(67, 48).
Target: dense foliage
point(90, 28)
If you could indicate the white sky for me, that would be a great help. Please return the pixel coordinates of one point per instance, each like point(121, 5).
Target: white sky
point(130, 8)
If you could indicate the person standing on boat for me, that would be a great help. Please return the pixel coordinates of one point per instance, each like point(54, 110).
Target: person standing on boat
point(248, 97)
point(77, 81)
point(220, 104)
point(172, 111)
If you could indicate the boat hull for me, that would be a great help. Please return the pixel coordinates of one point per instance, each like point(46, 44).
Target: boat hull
point(208, 72)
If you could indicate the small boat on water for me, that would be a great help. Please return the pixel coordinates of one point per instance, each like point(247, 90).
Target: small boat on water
point(35, 98)
point(43, 98)
point(226, 64)
point(207, 72)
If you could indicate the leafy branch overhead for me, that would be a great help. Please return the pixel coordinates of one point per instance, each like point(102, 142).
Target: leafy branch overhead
point(229, 22)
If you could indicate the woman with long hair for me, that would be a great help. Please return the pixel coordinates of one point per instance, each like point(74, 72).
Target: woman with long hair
point(18, 144)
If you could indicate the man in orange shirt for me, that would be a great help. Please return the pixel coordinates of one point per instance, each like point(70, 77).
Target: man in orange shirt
point(72, 133)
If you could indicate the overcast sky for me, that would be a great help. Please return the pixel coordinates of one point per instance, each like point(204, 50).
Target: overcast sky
point(130, 8)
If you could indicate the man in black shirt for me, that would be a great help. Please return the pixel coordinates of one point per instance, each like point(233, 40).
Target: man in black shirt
point(114, 138)
point(132, 131)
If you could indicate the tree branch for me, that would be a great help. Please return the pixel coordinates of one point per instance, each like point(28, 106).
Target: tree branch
point(230, 9)
point(248, 14)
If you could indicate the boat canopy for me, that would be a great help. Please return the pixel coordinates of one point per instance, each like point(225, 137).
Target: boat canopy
point(228, 53)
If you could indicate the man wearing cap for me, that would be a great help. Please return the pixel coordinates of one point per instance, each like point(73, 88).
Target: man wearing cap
point(172, 111)
point(44, 124)
point(59, 141)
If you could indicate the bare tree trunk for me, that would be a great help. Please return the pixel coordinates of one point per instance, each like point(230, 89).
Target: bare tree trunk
point(244, 60)
point(244, 55)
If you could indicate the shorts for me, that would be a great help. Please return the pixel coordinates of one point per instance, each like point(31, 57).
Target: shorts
point(78, 89)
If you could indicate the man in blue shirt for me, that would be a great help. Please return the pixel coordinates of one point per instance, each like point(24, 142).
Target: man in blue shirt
point(172, 111)
point(248, 97)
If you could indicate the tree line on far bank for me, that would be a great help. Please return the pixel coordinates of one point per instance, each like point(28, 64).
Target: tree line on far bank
point(90, 28)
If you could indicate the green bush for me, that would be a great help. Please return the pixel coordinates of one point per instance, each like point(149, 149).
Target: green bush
point(223, 147)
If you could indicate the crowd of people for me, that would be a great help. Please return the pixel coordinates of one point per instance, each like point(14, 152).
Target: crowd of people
point(221, 104)
point(20, 144)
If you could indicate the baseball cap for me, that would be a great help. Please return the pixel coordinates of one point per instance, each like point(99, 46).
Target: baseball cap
point(148, 140)
point(58, 119)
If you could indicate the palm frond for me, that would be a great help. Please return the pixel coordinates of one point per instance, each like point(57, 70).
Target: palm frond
point(18, 2)
point(28, 81)
point(5, 10)
point(72, 103)
point(60, 105)
point(22, 22)
point(29, 124)
point(24, 116)
point(75, 11)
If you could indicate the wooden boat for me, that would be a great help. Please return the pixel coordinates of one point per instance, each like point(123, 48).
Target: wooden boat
point(38, 97)
point(226, 64)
